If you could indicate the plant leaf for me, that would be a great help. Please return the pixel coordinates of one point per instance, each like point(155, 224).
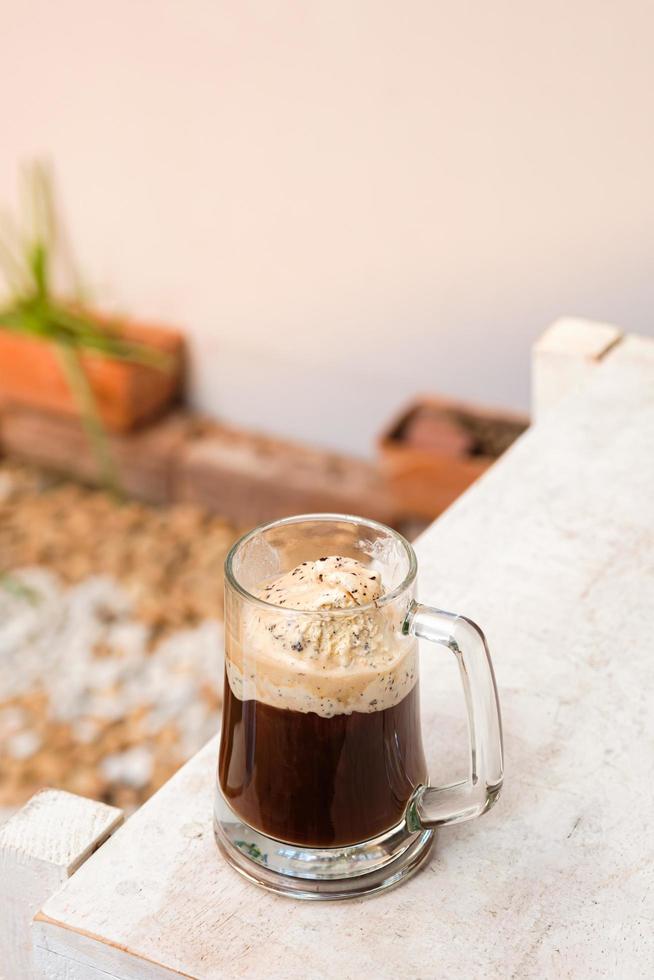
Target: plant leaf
point(90, 415)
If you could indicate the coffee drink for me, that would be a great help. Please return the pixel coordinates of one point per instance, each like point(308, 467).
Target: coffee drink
point(321, 742)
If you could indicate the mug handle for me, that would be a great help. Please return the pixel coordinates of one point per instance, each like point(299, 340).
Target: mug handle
point(435, 806)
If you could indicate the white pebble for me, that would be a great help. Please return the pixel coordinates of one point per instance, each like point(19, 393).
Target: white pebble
point(12, 719)
point(132, 767)
point(23, 745)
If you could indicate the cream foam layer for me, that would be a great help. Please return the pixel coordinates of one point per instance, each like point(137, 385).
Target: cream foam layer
point(330, 665)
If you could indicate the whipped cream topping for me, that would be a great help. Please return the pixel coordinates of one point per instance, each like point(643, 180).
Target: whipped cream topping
point(300, 657)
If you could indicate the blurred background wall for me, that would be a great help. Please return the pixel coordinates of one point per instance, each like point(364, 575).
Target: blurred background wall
point(345, 201)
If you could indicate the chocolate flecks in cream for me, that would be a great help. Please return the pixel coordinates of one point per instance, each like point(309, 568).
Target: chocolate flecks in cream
point(356, 660)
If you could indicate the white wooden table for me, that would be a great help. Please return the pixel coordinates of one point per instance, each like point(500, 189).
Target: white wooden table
point(553, 552)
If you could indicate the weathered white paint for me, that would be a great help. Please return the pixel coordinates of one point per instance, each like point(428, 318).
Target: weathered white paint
point(50, 966)
point(562, 358)
point(40, 847)
point(91, 959)
point(552, 552)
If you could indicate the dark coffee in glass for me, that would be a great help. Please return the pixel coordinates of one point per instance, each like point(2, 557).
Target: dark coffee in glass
point(320, 781)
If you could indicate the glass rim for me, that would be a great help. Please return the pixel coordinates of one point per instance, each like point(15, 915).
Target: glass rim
point(384, 600)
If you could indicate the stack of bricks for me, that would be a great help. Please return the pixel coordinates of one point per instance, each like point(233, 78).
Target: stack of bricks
point(182, 458)
point(253, 478)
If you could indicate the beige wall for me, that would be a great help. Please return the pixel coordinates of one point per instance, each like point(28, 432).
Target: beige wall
point(348, 200)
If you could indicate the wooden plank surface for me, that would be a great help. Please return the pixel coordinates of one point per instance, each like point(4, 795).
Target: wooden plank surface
point(563, 358)
point(41, 846)
point(552, 552)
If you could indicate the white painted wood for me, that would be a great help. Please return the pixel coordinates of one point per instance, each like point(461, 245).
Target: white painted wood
point(40, 847)
point(50, 966)
point(563, 357)
point(634, 350)
point(552, 552)
point(91, 959)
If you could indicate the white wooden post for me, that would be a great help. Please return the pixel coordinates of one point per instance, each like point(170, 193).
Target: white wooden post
point(563, 358)
point(40, 847)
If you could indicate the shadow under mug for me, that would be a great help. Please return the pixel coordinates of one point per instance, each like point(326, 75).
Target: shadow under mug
point(330, 797)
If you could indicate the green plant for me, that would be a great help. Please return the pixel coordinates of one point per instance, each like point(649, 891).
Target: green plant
point(27, 258)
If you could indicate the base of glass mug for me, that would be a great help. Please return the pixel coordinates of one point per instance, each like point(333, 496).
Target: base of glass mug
point(319, 873)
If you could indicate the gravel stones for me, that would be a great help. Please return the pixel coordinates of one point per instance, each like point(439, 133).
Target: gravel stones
point(110, 638)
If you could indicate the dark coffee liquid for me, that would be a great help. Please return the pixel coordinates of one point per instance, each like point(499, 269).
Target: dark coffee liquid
point(320, 782)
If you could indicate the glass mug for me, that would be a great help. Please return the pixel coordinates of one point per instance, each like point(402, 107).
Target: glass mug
point(323, 789)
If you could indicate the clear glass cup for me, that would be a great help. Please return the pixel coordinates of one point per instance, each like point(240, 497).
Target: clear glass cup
point(323, 789)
